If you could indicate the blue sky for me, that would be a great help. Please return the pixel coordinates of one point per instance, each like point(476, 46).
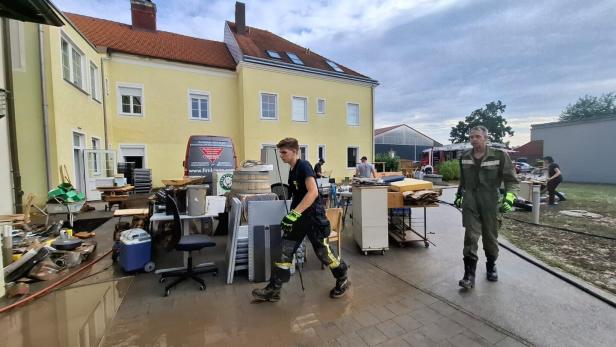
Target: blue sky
point(436, 60)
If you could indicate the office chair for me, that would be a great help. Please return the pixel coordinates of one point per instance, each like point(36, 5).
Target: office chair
point(186, 243)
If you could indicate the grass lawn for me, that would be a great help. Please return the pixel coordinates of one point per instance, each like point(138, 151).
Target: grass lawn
point(592, 259)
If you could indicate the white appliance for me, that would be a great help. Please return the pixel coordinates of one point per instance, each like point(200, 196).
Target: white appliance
point(370, 218)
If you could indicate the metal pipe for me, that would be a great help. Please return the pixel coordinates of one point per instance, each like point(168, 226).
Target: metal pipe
point(45, 107)
point(103, 93)
point(10, 110)
point(536, 202)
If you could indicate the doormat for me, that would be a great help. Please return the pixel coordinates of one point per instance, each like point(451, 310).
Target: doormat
point(86, 224)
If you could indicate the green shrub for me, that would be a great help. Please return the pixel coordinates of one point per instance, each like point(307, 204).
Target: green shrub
point(450, 170)
point(391, 164)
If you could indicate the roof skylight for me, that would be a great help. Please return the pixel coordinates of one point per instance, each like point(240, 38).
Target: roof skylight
point(295, 59)
point(334, 66)
point(273, 54)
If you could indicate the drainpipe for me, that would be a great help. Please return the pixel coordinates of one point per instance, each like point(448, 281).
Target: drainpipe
point(10, 108)
point(372, 135)
point(45, 107)
point(103, 93)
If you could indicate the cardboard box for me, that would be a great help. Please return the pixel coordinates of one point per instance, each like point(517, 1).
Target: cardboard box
point(410, 184)
point(395, 200)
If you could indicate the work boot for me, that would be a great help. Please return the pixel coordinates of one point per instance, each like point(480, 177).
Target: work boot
point(491, 273)
point(468, 281)
point(270, 293)
point(341, 287)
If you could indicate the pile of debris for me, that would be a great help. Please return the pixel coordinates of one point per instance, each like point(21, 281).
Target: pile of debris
point(421, 197)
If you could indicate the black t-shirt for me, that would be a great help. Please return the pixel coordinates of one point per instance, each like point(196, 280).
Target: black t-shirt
point(552, 170)
point(297, 184)
point(317, 170)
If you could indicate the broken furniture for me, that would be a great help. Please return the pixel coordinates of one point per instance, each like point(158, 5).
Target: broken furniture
point(402, 226)
point(115, 195)
point(370, 218)
point(187, 244)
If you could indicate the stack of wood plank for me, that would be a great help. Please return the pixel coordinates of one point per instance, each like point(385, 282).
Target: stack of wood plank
point(421, 197)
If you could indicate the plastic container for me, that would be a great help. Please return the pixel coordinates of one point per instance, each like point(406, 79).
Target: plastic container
point(136, 250)
point(195, 199)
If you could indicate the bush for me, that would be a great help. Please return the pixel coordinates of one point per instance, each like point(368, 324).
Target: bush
point(391, 164)
point(450, 170)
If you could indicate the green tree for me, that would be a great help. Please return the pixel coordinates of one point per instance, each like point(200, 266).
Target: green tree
point(391, 163)
point(591, 107)
point(490, 117)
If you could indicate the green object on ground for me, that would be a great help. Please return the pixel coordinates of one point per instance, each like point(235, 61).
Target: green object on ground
point(65, 192)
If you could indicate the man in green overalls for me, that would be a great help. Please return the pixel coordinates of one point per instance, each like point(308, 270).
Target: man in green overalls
point(482, 171)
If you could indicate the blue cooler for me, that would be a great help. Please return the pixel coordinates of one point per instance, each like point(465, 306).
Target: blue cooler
point(136, 250)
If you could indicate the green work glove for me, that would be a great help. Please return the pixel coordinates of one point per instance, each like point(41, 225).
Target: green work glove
point(289, 220)
point(507, 203)
point(458, 201)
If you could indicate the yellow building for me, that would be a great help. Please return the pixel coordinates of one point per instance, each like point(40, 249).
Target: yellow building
point(141, 92)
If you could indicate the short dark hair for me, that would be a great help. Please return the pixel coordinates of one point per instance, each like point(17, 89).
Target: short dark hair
point(548, 158)
point(288, 142)
point(364, 158)
point(321, 161)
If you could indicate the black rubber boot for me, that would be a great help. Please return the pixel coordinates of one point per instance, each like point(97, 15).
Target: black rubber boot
point(468, 281)
point(270, 293)
point(342, 281)
point(491, 273)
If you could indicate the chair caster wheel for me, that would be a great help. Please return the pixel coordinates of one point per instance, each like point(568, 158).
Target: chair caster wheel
point(427, 245)
point(382, 252)
point(162, 280)
point(201, 288)
point(167, 292)
point(214, 274)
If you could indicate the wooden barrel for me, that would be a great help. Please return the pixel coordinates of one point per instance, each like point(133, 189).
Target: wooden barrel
point(251, 182)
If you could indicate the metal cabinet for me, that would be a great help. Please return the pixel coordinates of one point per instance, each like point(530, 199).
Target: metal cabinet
point(370, 218)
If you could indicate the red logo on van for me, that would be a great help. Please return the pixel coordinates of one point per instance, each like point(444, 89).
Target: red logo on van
point(211, 153)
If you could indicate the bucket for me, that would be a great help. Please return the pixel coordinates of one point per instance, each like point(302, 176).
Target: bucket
point(195, 198)
point(251, 182)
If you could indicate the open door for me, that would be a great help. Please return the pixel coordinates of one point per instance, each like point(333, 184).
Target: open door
point(100, 169)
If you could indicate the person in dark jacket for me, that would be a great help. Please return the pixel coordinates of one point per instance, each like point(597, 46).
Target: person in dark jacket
point(318, 168)
point(555, 177)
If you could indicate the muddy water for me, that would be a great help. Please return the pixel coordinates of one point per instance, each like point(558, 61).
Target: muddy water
point(76, 316)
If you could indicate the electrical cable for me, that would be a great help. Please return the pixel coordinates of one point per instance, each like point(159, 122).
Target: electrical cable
point(549, 270)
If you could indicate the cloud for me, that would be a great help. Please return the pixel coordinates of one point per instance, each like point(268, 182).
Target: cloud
point(436, 61)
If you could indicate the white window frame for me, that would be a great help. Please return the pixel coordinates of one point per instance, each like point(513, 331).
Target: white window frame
point(305, 99)
point(199, 94)
point(261, 105)
point(306, 152)
point(95, 89)
point(119, 99)
point(324, 110)
point(346, 154)
point(324, 152)
point(347, 113)
point(72, 47)
point(97, 170)
point(18, 47)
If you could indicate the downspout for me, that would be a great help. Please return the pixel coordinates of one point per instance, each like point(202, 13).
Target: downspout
point(45, 107)
point(10, 108)
point(372, 135)
point(103, 93)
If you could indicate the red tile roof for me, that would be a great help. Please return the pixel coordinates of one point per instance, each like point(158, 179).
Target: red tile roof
point(121, 37)
point(255, 42)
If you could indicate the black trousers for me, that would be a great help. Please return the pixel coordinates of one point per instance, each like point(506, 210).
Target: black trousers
point(317, 229)
point(552, 184)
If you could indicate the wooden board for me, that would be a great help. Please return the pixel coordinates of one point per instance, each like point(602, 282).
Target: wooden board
point(12, 218)
point(182, 181)
point(410, 184)
point(131, 212)
point(123, 189)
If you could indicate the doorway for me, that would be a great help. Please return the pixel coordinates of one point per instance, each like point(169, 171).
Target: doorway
point(135, 154)
point(79, 144)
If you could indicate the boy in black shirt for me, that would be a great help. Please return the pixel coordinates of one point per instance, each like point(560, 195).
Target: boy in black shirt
point(307, 218)
point(555, 177)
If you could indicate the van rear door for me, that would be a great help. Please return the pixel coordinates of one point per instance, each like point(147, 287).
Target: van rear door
point(205, 154)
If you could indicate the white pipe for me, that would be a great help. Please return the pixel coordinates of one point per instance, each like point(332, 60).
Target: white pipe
point(536, 202)
point(45, 108)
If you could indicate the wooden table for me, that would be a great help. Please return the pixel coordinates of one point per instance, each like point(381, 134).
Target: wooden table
point(115, 195)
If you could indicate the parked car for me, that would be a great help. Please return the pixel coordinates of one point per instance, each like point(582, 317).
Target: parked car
point(523, 167)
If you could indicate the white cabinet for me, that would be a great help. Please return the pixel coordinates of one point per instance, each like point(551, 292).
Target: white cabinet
point(370, 218)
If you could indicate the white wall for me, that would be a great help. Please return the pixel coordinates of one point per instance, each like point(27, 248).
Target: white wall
point(6, 183)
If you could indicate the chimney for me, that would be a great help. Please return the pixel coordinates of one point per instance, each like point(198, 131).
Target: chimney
point(240, 17)
point(143, 14)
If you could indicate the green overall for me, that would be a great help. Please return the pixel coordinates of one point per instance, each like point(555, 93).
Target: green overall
point(480, 181)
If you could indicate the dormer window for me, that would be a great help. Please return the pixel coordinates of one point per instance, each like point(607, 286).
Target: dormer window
point(334, 66)
point(294, 58)
point(273, 54)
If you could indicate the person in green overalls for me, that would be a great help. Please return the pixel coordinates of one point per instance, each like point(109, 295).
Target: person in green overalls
point(482, 171)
